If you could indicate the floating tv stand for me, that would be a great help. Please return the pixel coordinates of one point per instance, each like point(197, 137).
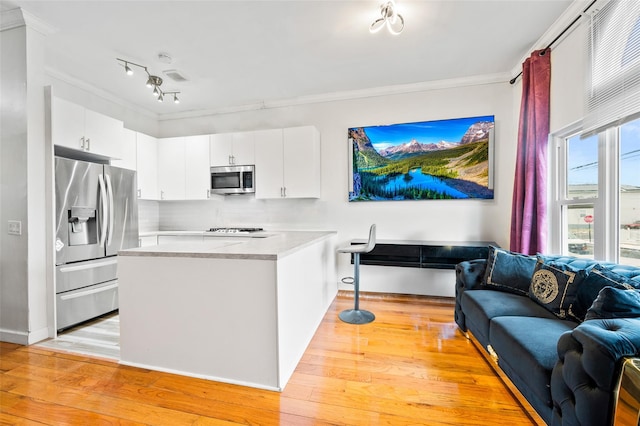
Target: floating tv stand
point(423, 254)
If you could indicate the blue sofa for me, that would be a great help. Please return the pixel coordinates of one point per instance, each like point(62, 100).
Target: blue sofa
point(557, 327)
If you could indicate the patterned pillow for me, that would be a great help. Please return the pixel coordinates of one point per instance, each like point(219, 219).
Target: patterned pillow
point(597, 278)
point(615, 303)
point(508, 271)
point(554, 286)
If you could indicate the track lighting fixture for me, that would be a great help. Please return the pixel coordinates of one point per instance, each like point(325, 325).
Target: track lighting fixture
point(153, 81)
point(389, 17)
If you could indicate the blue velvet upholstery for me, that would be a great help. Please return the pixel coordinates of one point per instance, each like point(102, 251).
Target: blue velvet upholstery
point(598, 278)
point(615, 303)
point(554, 285)
point(567, 370)
point(482, 306)
point(583, 380)
point(509, 271)
point(527, 349)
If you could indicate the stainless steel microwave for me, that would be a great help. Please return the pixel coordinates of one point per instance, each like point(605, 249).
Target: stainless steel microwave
point(232, 179)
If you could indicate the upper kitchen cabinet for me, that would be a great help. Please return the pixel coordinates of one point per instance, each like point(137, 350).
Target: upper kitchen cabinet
point(129, 151)
point(183, 168)
point(147, 166)
point(79, 128)
point(288, 163)
point(171, 168)
point(197, 175)
point(229, 149)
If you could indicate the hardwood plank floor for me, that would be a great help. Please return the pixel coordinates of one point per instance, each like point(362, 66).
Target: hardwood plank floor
point(409, 367)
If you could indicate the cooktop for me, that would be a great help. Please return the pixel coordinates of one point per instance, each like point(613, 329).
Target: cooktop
point(234, 230)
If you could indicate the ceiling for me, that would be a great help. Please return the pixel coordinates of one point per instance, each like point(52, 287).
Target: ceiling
point(240, 53)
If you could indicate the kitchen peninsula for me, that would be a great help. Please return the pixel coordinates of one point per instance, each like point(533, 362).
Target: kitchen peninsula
point(233, 309)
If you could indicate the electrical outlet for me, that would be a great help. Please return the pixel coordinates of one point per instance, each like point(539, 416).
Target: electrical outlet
point(15, 227)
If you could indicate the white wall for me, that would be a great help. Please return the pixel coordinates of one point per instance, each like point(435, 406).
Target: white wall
point(437, 220)
point(23, 271)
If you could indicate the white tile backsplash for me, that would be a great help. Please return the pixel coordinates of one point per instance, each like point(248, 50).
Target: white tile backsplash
point(148, 216)
point(238, 211)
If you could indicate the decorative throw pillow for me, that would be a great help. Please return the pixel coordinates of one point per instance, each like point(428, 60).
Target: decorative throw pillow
point(554, 286)
point(598, 277)
point(509, 271)
point(615, 303)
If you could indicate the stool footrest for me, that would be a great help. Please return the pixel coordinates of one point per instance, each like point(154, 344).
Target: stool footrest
point(348, 280)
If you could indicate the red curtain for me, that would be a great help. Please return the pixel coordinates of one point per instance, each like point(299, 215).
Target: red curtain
point(529, 207)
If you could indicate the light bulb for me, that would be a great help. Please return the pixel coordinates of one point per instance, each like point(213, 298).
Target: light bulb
point(155, 91)
point(175, 99)
point(128, 69)
point(160, 98)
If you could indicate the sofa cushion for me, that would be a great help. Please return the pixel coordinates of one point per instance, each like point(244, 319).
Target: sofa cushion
point(527, 352)
point(615, 303)
point(480, 306)
point(554, 286)
point(508, 271)
point(597, 278)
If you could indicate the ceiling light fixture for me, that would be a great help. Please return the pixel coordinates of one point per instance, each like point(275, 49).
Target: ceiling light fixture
point(153, 81)
point(389, 17)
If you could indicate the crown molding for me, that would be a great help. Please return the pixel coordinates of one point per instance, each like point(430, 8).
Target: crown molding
point(575, 9)
point(346, 95)
point(83, 85)
point(18, 17)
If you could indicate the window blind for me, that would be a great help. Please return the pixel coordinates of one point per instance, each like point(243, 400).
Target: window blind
point(613, 73)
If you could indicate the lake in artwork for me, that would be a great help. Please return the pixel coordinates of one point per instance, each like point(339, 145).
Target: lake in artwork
point(429, 160)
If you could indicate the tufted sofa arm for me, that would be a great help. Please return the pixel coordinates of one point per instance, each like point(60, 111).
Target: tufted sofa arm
point(469, 275)
point(585, 377)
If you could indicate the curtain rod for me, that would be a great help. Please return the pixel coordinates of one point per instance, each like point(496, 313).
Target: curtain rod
point(513, 80)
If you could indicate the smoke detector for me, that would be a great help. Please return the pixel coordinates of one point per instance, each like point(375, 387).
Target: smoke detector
point(176, 75)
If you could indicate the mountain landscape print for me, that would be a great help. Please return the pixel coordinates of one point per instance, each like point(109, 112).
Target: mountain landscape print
point(428, 160)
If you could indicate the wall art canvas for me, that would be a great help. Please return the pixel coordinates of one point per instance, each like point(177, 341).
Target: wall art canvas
point(428, 160)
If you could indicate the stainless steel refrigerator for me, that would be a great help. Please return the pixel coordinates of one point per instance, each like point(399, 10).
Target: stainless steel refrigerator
point(96, 216)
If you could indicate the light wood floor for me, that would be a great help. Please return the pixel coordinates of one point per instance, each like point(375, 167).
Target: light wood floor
point(410, 367)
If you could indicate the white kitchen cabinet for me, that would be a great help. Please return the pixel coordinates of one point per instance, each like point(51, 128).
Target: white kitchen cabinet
point(129, 151)
point(79, 128)
point(171, 168)
point(197, 173)
point(269, 164)
point(183, 168)
point(301, 152)
point(232, 149)
point(288, 163)
point(147, 166)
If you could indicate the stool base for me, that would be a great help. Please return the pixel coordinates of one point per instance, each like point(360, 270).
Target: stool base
point(357, 316)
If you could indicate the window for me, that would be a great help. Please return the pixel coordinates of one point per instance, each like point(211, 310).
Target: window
point(630, 193)
point(596, 194)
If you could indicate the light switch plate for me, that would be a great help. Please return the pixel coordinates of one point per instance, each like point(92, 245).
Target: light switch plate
point(15, 227)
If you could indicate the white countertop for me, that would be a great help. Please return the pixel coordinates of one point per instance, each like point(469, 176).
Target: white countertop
point(276, 245)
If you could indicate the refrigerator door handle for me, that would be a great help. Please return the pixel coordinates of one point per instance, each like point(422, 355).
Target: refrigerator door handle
point(103, 202)
point(111, 208)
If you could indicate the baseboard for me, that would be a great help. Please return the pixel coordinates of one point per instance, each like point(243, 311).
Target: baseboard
point(18, 337)
point(492, 360)
point(23, 337)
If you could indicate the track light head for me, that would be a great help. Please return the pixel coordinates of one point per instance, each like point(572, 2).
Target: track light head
point(153, 81)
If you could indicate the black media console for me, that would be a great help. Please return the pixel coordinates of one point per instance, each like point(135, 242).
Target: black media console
point(424, 254)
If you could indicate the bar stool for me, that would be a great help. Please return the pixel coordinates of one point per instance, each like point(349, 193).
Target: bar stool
point(357, 315)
